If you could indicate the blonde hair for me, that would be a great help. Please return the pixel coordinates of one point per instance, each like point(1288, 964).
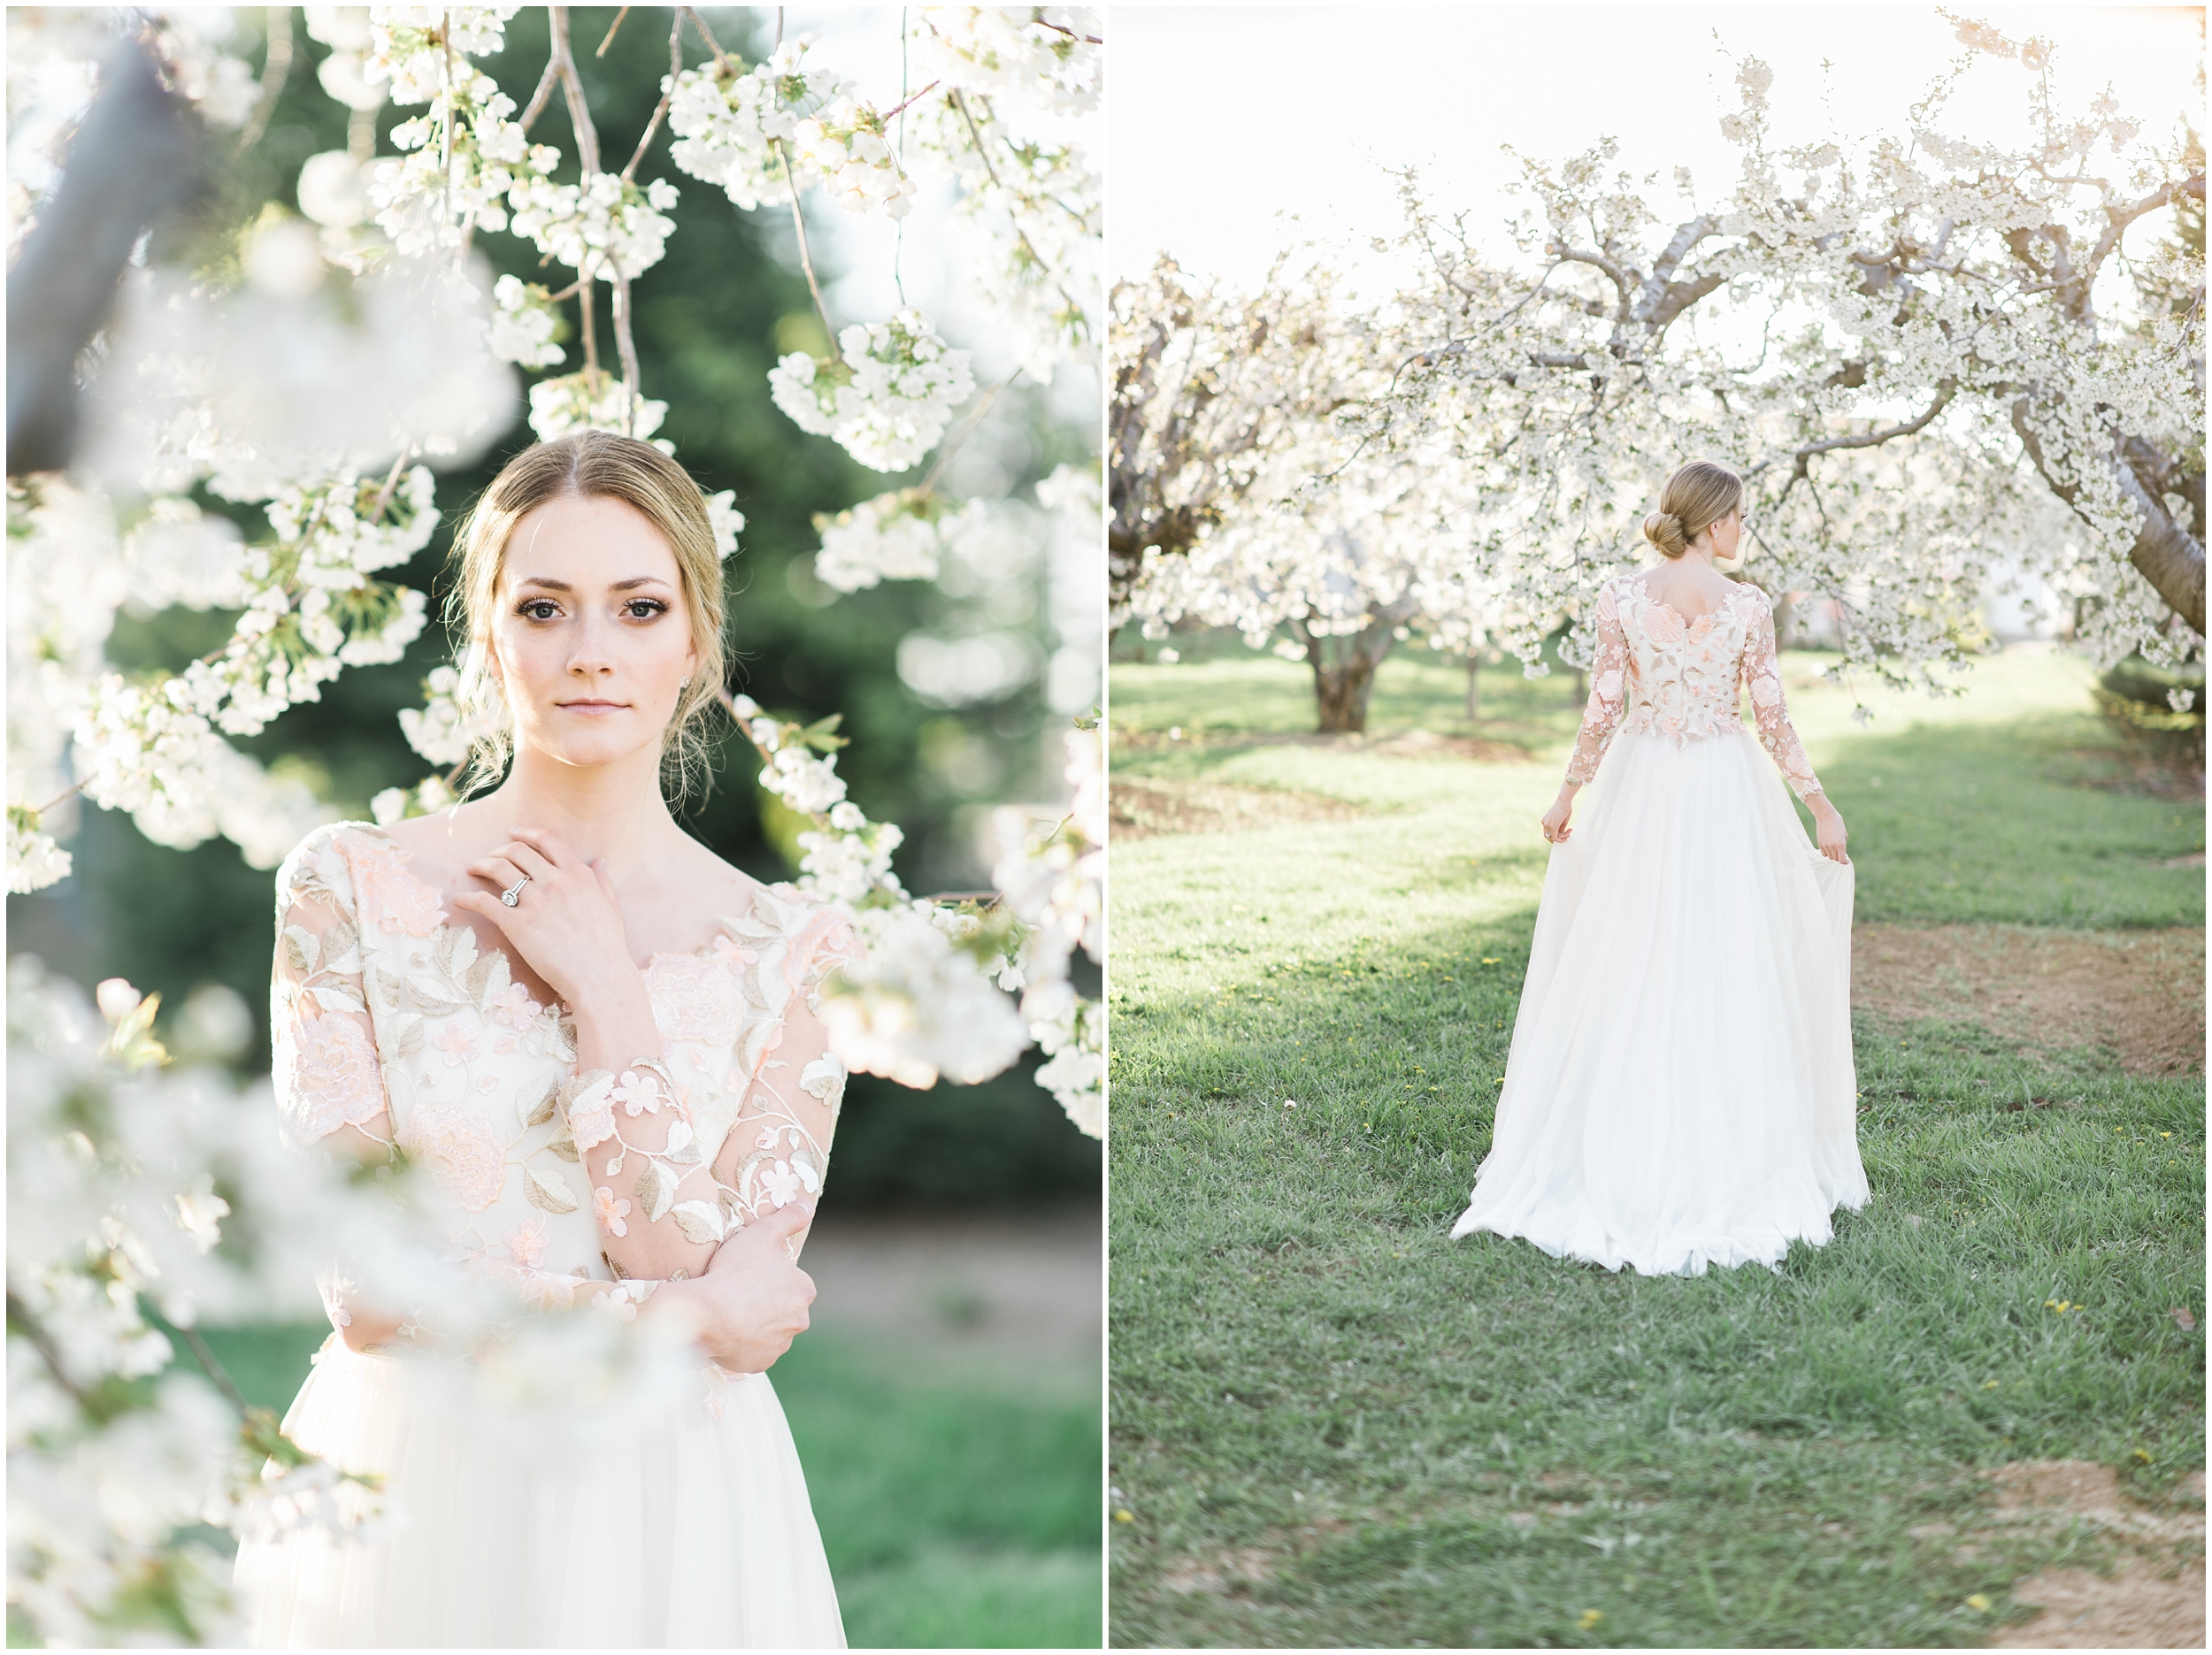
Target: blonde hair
point(1697, 496)
point(585, 465)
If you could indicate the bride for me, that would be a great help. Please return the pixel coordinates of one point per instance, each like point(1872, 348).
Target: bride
point(1680, 1090)
point(522, 994)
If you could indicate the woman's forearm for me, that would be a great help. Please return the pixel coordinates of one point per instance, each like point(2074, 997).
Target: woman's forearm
point(631, 1130)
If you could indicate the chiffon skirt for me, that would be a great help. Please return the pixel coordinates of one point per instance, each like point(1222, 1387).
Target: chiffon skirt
point(1681, 1090)
point(689, 1530)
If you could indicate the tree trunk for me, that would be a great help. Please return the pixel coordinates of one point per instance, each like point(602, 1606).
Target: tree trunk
point(1340, 693)
point(1340, 688)
point(1474, 687)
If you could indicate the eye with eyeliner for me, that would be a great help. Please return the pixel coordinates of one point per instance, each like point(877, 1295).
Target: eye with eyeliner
point(543, 609)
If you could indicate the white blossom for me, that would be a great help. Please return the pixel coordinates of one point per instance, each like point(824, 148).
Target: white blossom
point(887, 399)
point(572, 403)
point(893, 537)
point(917, 1008)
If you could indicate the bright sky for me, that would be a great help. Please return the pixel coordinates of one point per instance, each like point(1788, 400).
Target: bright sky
point(1223, 118)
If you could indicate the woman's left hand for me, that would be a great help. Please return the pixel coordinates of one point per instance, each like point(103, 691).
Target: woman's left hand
point(565, 923)
point(1829, 830)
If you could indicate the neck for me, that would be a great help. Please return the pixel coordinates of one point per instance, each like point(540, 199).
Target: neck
point(610, 810)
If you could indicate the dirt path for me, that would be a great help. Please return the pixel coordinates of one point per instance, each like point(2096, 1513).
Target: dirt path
point(2153, 1598)
point(1014, 1292)
point(2139, 992)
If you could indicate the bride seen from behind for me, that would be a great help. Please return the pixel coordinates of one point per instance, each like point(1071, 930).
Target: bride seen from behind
point(1680, 1090)
point(597, 1036)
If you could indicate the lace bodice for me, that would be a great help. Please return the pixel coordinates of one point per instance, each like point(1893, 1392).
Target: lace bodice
point(1657, 673)
point(388, 1017)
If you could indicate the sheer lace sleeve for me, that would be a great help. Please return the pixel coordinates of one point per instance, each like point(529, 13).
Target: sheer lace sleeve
point(1763, 674)
point(778, 1148)
point(1608, 691)
point(644, 1133)
point(329, 1081)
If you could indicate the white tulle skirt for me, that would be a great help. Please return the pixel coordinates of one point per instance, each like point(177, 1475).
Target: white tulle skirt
point(686, 1530)
point(1681, 1090)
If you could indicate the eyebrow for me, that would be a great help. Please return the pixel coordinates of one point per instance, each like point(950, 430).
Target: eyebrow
point(620, 585)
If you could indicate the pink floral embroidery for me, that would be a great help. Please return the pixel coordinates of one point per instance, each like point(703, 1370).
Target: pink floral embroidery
point(611, 1212)
point(639, 1093)
point(693, 998)
point(457, 1043)
point(504, 1045)
point(515, 1008)
point(734, 959)
point(334, 1078)
point(526, 1245)
point(490, 1083)
point(1685, 676)
point(458, 1144)
point(384, 892)
point(826, 940)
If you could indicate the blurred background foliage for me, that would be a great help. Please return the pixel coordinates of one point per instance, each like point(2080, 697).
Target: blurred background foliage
point(711, 321)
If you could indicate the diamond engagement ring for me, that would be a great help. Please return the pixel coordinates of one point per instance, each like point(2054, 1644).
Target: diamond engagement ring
point(511, 897)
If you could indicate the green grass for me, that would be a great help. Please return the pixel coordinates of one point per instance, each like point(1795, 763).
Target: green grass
point(956, 1513)
point(1331, 1425)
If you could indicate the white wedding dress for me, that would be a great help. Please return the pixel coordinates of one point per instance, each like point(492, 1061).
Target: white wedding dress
point(683, 1522)
point(1680, 1089)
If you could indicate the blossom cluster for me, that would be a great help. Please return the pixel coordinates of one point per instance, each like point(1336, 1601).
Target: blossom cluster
point(845, 148)
point(886, 400)
point(592, 402)
point(896, 536)
point(525, 320)
point(919, 1006)
point(1054, 883)
point(114, 1213)
point(1050, 55)
point(733, 127)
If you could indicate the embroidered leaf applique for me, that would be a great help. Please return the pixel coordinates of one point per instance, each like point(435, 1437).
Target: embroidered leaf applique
point(656, 1189)
point(302, 949)
point(550, 1191)
point(539, 1112)
point(700, 1220)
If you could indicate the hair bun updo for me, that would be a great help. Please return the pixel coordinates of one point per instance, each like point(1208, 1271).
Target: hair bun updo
point(1664, 530)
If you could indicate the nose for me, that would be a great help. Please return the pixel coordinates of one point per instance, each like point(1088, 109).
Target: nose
point(593, 653)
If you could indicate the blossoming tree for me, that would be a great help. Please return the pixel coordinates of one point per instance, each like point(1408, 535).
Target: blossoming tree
point(1927, 355)
point(196, 386)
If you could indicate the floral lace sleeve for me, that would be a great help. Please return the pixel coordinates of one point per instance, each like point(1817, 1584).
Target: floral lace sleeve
point(329, 1082)
point(1762, 673)
point(1608, 691)
point(644, 1134)
point(778, 1148)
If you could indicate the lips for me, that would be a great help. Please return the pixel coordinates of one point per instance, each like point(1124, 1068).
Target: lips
point(593, 707)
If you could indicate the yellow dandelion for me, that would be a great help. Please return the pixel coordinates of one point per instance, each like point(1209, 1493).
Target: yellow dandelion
point(1590, 1617)
point(1123, 1515)
point(1978, 1602)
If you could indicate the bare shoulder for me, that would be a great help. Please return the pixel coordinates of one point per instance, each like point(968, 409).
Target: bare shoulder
point(711, 884)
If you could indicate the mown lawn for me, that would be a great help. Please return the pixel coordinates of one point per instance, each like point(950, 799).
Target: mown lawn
point(1331, 1425)
point(954, 1514)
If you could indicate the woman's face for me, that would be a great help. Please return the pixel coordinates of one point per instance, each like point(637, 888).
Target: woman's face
point(590, 633)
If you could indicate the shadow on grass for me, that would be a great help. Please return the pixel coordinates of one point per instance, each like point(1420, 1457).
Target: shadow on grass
point(1347, 1428)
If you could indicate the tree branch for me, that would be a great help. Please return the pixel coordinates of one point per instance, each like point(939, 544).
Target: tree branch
point(2164, 553)
point(133, 157)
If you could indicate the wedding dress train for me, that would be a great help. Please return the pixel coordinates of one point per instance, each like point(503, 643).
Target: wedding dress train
point(1680, 1090)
